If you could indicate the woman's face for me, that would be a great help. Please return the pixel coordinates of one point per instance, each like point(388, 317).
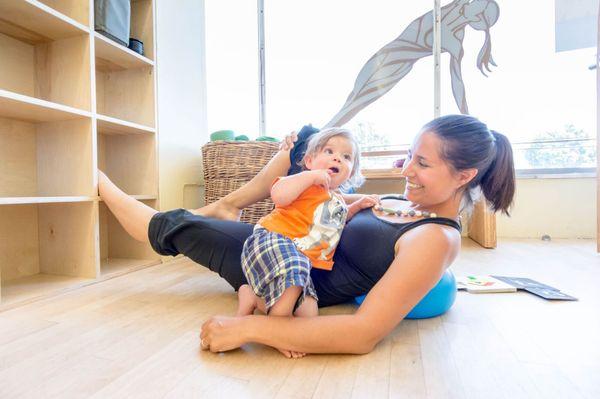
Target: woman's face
point(430, 180)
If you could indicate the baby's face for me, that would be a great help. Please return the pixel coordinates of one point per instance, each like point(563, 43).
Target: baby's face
point(337, 156)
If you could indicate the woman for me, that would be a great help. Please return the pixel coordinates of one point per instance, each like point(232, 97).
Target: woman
point(396, 59)
point(396, 258)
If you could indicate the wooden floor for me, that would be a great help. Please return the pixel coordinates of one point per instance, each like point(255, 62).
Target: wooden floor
point(136, 336)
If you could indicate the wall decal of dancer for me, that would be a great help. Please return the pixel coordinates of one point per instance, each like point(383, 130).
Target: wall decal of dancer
point(395, 60)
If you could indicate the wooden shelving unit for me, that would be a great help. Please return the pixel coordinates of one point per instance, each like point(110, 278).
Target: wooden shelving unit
point(71, 101)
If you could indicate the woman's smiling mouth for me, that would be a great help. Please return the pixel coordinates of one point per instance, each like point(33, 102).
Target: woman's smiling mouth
point(412, 186)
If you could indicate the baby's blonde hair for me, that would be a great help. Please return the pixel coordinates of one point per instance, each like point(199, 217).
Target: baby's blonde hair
point(319, 140)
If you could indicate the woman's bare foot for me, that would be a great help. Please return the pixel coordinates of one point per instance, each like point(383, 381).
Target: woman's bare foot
point(247, 301)
point(219, 210)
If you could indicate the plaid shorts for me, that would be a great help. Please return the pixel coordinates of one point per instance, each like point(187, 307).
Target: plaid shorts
point(272, 263)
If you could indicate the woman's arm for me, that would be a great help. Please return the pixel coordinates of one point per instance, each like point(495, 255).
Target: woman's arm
point(422, 255)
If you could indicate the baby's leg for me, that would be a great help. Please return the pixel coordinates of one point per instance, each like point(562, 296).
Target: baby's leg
point(247, 301)
point(285, 307)
point(308, 308)
point(286, 302)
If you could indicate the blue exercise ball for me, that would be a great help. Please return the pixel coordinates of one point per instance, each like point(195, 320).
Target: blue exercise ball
point(436, 302)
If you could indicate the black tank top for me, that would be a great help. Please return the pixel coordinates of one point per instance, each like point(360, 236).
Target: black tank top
point(369, 240)
point(363, 255)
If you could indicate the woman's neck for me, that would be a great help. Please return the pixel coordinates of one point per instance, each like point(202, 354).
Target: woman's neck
point(448, 209)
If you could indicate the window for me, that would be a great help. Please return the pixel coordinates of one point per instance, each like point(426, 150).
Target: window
point(314, 52)
point(541, 94)
point(232, 66)
point(542, 99)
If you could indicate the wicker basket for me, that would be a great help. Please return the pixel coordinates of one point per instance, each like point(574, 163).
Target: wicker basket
point(228, 165)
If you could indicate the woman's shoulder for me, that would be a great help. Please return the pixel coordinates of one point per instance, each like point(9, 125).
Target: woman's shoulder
point(430, 237)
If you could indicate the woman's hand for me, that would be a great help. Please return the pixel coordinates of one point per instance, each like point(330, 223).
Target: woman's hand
point(288, 142)
point(220, 334)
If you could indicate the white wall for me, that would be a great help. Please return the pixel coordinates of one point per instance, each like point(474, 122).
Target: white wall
point(181, 100)
point(561, 208)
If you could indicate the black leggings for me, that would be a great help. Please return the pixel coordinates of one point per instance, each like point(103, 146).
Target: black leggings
point(217, 245)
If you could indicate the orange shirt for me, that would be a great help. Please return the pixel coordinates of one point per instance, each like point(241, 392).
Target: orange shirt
point(314, 221)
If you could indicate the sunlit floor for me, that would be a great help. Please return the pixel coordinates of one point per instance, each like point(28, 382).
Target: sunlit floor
point(136, 336)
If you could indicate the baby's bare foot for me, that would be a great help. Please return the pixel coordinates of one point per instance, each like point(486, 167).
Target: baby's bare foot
point(247, 301)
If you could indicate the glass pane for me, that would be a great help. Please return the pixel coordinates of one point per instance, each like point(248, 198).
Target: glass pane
point(232, 66)
point(316, 49)
point(534, 93)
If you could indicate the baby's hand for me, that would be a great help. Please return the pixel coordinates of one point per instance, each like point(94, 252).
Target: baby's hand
point(368, 201)
point(288, 142)
point(321, 177)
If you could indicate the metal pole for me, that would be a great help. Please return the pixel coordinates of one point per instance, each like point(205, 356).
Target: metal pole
point(262, 122)
point(437, 47)
point(598, 137)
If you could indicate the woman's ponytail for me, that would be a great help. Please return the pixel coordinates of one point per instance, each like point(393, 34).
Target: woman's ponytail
point(498, 182)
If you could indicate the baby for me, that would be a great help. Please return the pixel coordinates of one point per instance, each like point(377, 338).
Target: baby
point(303, 229)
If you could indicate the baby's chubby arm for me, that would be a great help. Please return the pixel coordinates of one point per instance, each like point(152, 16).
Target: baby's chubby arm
point(365, 201)
point(288, 188)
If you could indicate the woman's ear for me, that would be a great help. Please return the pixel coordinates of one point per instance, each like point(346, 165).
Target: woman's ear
point(466, 175)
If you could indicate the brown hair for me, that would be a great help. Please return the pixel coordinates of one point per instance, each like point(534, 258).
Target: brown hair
point(467, 144)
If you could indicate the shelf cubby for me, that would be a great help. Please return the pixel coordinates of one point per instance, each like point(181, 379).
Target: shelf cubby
point(54, 69)
point(46, 159)
point(125, 79)
point(111, 56)
point(34, 22)
point(77, 10)
point(45, 249)
point(127, 94)
point(119, 253)
point(142, 25)
point(128, 159)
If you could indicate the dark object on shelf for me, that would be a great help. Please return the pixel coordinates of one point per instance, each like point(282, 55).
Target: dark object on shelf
point(136, 45)
point(112, 19)
point(398, 163)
